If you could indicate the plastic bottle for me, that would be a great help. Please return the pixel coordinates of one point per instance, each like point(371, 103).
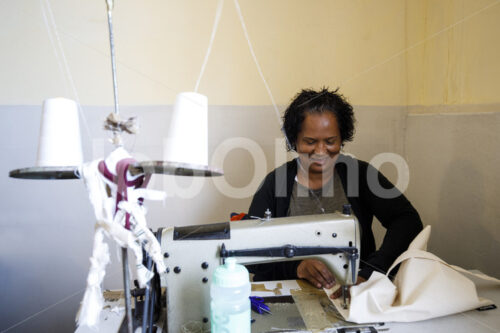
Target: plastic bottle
point(230, 303)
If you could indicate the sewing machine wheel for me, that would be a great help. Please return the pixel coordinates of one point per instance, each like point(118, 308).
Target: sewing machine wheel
point(148, 301)
point(156, 294)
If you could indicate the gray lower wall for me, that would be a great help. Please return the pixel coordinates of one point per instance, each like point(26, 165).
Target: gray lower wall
point(47, 226)
point(455, 183)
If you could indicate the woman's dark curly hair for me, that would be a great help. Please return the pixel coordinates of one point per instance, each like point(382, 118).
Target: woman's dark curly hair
point(310, 101)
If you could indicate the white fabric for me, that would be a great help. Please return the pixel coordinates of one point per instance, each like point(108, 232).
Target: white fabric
point(112, 224)
point(425, 287)
point(93, 299)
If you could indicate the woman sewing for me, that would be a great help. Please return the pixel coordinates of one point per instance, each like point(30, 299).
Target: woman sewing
point(321, 180)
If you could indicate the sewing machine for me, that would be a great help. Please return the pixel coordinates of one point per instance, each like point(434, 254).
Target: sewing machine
point(193, 252)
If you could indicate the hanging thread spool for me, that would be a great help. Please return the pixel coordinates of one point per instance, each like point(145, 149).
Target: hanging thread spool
point(60, 142)
point(187, 140)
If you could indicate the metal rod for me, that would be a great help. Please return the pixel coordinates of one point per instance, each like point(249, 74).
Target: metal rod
point(110, 3)
point(152, 301)
point(146, 307)
point(153, 295)
point(345, 294)
point(112, 48)
point(126, 289)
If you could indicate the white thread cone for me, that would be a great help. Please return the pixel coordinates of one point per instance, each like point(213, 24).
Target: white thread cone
point(60, 142)
point(187, 138)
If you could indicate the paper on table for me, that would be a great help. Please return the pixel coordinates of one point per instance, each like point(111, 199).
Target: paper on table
point(274, 288)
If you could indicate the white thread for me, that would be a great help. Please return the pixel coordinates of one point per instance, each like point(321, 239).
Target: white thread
point(52, 42)
point(218, 14)
point(236, 4)
point(59, 48)
point(280, 121)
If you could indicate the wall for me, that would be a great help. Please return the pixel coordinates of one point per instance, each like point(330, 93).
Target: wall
point(161, 45)
point(453, 158)
point(452, 57)
point(391, 58)
point(453, 132)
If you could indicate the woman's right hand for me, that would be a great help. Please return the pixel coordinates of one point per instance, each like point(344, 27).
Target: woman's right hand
point(316, 273)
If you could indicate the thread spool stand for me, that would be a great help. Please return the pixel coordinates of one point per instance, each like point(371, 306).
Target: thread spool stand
point(147, 167)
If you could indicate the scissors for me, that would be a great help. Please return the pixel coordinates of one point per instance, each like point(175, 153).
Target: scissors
point(258, 305)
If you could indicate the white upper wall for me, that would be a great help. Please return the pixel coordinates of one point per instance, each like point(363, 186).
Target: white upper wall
point(161, 45)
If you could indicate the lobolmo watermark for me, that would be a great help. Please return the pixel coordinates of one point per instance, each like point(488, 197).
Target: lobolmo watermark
point(191, 187)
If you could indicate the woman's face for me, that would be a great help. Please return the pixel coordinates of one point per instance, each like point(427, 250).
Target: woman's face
point(318, 142)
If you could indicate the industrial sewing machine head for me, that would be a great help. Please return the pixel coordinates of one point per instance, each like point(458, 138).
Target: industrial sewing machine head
point(192, 253)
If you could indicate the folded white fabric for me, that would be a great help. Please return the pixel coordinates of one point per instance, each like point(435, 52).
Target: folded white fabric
point(425, 287)
point(117, 198)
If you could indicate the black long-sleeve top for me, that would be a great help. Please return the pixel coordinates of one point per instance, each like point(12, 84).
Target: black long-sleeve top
point(370, 194)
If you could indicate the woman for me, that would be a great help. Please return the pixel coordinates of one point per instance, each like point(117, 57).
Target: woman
point(321, 180)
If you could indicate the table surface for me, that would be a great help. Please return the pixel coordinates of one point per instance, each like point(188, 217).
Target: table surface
point(283, 314)
point(295, 303)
